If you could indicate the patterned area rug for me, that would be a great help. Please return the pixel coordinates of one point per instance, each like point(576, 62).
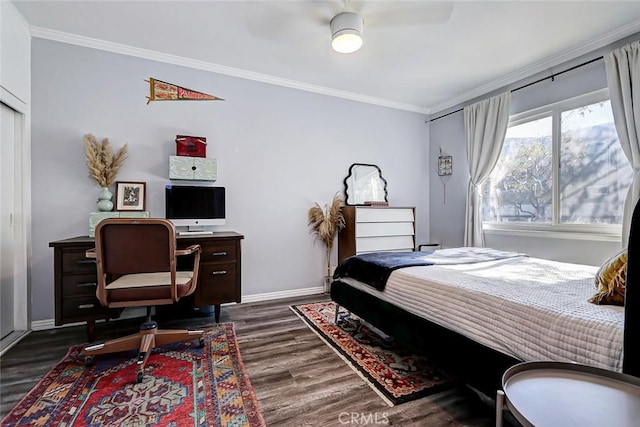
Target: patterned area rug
point(184, 385)
point(394, 372)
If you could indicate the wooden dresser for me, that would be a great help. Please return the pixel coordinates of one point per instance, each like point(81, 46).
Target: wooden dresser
point(375, 229)
point(75, 280)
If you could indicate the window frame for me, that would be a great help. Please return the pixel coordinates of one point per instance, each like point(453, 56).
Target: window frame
point(605, 232)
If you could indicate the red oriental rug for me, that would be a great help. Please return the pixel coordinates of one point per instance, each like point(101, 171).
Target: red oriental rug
point(184, 385)
point(394, 372)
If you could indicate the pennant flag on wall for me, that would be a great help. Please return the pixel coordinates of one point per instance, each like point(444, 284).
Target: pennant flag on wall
point(163, 91)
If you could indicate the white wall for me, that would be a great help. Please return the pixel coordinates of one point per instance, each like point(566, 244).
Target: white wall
point(447, 220)
point(278, 150)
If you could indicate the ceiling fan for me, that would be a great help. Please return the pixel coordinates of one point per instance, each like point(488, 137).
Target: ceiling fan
point(344, 20)
point(346, 32)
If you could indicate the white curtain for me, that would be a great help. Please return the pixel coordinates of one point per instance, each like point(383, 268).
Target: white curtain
point(623, 78)
point(485, 125)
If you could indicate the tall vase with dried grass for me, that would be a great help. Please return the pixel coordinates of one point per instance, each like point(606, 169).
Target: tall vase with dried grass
point(103, 165)
point(325, 225)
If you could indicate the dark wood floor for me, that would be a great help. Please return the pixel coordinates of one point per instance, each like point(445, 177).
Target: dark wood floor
point(298, 380)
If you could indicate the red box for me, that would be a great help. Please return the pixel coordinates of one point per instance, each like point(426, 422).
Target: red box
point(191, 146)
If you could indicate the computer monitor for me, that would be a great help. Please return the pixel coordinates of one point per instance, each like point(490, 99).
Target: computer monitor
point(195, 207)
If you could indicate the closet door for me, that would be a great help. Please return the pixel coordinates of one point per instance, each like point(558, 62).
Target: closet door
point(8, 119)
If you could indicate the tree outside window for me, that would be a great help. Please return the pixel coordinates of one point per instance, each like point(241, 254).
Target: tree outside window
point(592, 173)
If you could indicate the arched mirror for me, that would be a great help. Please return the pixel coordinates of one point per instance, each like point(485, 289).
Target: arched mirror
point(364, 184)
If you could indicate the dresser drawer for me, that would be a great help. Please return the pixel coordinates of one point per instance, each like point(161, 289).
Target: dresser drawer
point(384, 214)
point(389, 243)
point(217, 284)
point(75, 261)
point(372, 229)
point(79, 284)
point(219, 252)
point(83, 307)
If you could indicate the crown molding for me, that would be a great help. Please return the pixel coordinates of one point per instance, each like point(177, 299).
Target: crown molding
point(543, 65)
point(59, 36)
point(16, 12)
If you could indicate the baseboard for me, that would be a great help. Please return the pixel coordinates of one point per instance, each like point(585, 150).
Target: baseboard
point(12, 339)
point(282, 294)
point(131, 313)
point(41, 325)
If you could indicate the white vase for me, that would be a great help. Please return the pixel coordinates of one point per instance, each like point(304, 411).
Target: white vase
point(104, 200)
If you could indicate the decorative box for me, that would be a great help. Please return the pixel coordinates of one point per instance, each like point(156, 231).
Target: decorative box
point(191, 146)
point(96, 217)
point(192, 168)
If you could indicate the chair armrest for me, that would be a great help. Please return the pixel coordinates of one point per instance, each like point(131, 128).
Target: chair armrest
point(196, 250)
point(191, 249)
point(101, 292)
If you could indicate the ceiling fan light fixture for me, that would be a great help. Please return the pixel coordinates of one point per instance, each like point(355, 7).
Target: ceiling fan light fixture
point(346, 32)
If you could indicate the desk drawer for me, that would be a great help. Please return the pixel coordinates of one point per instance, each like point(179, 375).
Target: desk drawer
point(83, 284)
point(75, 261)
point(83, 307)
point(219, 252)
point(217, 284)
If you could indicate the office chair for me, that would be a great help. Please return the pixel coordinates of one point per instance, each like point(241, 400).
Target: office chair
point(136, 264)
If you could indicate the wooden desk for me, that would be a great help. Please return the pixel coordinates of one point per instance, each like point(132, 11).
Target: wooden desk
point(75, 280)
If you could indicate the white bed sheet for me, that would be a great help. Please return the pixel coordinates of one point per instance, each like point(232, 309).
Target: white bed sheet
point(528, 308)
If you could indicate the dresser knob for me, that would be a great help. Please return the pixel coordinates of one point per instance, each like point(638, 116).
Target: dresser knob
point(215, 273)
point(85, 306)
point(222, 253)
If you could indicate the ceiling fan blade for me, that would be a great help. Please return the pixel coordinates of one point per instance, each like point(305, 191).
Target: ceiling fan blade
point(274, 20)
point(266, 19)
point(405, 13)
point(322, 11)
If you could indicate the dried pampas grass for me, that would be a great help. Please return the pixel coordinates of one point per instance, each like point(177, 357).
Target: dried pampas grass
point(326, 224)
point(102, 163)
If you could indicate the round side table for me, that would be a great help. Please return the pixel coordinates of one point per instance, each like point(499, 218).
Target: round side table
point(566, 394)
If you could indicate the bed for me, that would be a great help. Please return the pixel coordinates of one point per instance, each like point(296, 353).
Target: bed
point(488, 313)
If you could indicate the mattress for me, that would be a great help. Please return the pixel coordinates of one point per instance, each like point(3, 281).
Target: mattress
point(528, 308)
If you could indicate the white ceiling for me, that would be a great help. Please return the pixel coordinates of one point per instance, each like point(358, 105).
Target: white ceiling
point(420, 56)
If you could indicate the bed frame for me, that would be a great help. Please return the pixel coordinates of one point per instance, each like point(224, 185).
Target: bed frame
point(481, 366)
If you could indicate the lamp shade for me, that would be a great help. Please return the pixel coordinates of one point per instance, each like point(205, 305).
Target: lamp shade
point(346, 32)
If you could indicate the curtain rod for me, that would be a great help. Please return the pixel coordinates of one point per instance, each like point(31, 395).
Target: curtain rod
point(552, 77)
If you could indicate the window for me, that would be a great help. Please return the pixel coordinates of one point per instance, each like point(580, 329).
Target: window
point(561, 165)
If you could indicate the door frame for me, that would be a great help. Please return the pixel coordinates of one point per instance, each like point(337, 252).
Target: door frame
point(22, 216)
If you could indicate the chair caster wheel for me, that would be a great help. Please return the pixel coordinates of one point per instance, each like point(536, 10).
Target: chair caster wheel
point(139, 377)
point(201, 342)
point(88, 361)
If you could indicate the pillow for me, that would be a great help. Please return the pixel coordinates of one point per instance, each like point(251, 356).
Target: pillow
point(610, 280)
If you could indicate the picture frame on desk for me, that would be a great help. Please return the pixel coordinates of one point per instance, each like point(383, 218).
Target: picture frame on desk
point(131, 196)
